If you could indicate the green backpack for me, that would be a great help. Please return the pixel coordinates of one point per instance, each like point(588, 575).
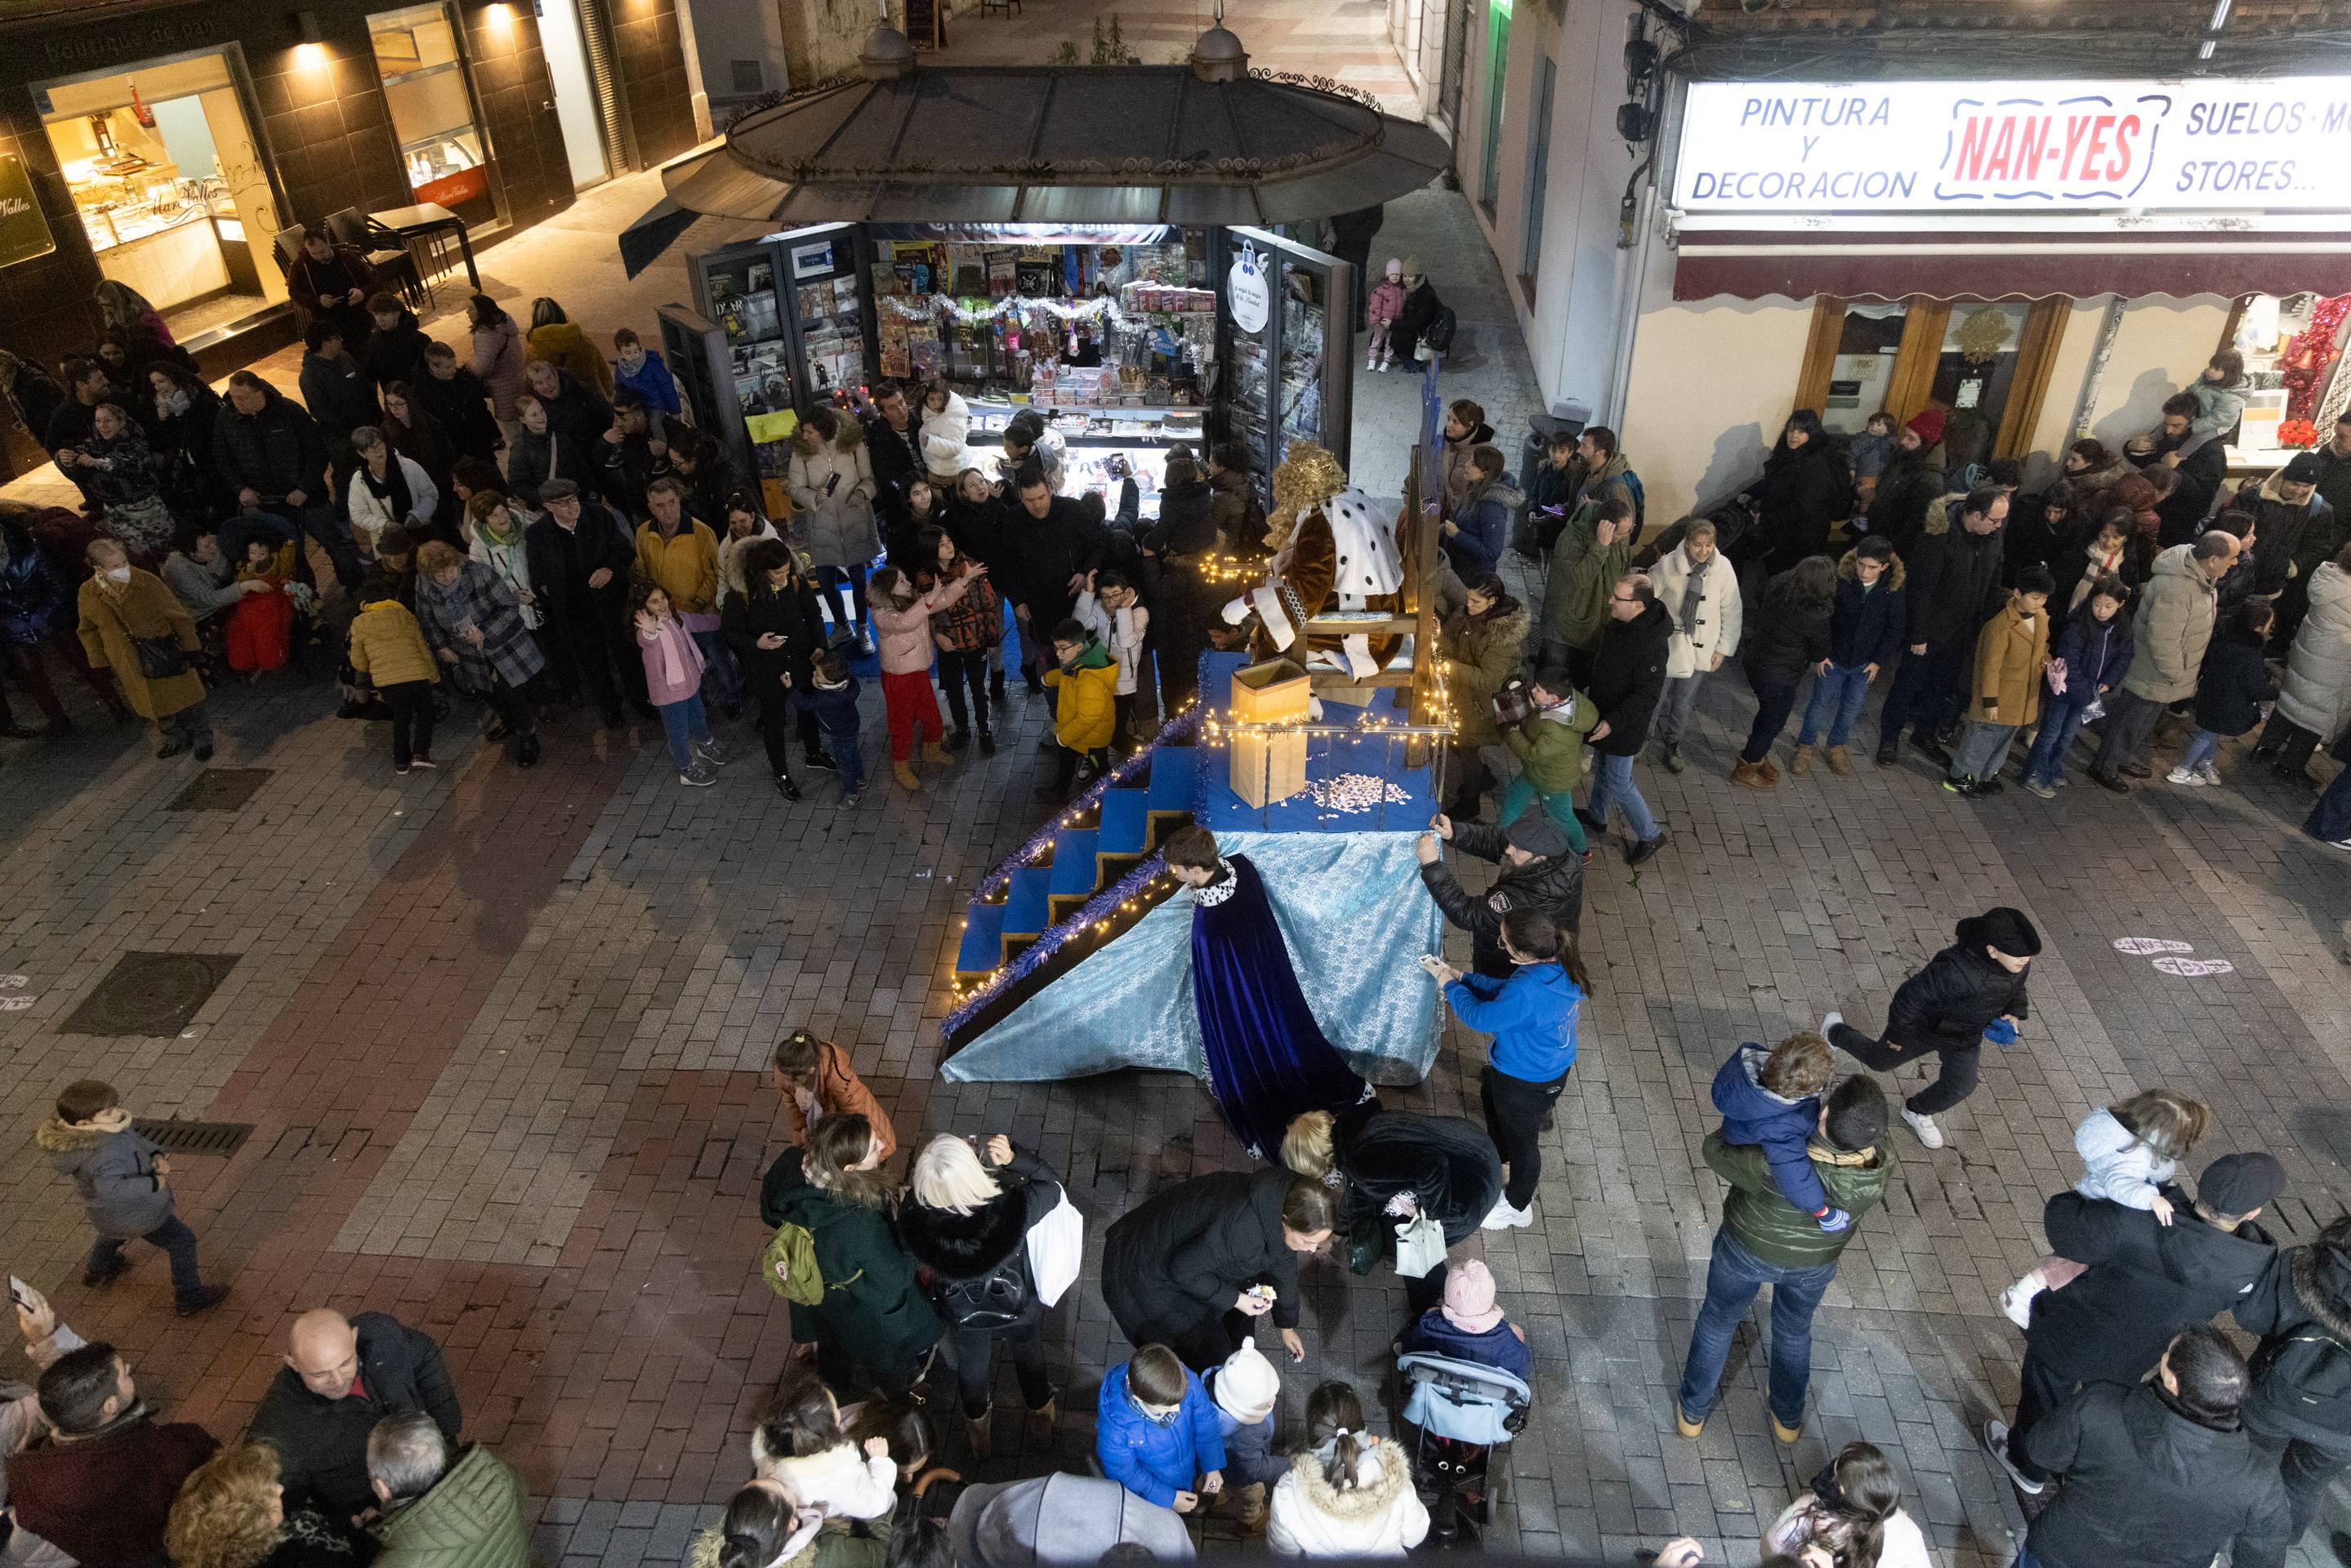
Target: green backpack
point(790, 1267)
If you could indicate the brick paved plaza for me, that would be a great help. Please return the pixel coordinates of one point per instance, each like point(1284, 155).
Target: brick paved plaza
point(500, 1037)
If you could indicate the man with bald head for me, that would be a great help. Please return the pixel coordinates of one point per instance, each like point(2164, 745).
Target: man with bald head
point(340, 1377)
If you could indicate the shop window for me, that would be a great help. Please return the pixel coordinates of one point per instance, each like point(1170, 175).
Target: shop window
point(1538, 174)
point(2293, 348)
point(166, 178)
point(1861, 374)
point(1498, 64)
point(431, 112)
point(1973, 376)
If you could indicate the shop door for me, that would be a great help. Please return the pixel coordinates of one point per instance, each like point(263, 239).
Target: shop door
point(1497, 65)
point(1986, 366)
point(577, 109)
point(1290, 379)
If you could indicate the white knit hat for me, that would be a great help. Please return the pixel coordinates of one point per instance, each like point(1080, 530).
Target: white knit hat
point(1247, 1384)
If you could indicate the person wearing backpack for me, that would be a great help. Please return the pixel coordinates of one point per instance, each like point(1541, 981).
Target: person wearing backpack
point(2299, 1407)
point(966, 1221)
point(834, 1257)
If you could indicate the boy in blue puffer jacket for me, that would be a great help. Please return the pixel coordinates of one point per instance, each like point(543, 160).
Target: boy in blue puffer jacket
point(1773, 1099)
point(1531, 1016)
point(1156, 1432)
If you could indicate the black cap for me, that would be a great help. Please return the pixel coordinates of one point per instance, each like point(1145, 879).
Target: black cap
point(2002, 927)
point(560, 490)
point(1536, 834)
point(2240, 1183)
point(2303, 468)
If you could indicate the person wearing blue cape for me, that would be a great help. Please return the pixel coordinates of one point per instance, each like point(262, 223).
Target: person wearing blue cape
point(1266, 1058)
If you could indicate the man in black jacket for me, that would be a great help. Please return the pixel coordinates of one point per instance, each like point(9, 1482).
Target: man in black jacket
point(1954, 588)
point(273, 458)
point(395, 346)
point(1058, 543)
point(2197, 477)
point(634, 452)
point(576, 416)
point(2299, 1411)
point(1628, 679)
point(2142, 1282)
point(340, 1377)
point(455, 396)
point(1177, 590)
point(1539, 872)
point(581, 557)
point(1975, 984)
point(2293, 530)
point(75, 421)
point(894, 440)
point(2160, 1475)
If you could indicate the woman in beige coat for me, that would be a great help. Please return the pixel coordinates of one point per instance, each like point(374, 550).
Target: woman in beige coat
point(123, 607)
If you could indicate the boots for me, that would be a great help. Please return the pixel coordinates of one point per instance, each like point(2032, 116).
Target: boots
point(935, 753)
point(1672, 757)
point(986, 741)
point(1041, 1421)
point(1249, 1508)
point(1801, 763)
point(1840, 761)
point(1770, 773)
point(904, 774)
point(1750, 774)
point(981, 1430)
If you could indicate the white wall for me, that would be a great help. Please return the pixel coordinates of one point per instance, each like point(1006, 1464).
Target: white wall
point(725, 31)
point(1712, 383)
point(1573, 327)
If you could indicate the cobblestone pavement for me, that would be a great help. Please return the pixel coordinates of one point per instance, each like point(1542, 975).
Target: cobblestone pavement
point(499, 1035)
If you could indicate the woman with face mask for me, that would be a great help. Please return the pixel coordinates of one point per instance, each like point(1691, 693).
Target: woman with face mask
point(133, 626)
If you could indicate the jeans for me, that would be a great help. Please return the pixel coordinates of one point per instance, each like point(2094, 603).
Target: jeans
point(721, 675)
point(411, 702)
point(2307, 1471)
point(1559, 808)
point(2200, 750)
point(961, 669)
point(1515, 1110)
point(848, 759)
point(334, 535)
point(178, 1242)
point(1959, 1063)
point(779, 715)
point(2060, 724)
point(2130, 720)
point(2024, 1557)
point(686, 723)
point(1732, 1277)
point(1674, 709)
point(1773, 703)
point(1838, 699)
point(1612, 784)
point(1929, 691)
point(1983, 750)
point(974, 1350)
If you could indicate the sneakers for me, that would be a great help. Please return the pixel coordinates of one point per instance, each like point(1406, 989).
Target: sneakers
point(2016, 1301)
point(1502, 1216)
point(2187, 776)
point(401, 769)
point(206, 1298)
point(2034, 786)
point(2209, 772)
point(1672, 760)
point(986, 742)
point(959, 741)
point(422, 765)
point(848, 800)
point(1829, 1022)
point(1646, 850)
point(1840, 761)
point(1995, 1442)
point(1929, 1133)
point(697, 776)
point(823, 761)
point(711, 752)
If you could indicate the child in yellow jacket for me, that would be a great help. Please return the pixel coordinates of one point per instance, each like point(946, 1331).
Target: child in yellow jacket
point(2011, 651)
point(388, 650)
point(1084, 683)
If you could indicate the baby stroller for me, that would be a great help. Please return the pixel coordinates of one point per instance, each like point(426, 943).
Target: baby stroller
point(1459, 1413)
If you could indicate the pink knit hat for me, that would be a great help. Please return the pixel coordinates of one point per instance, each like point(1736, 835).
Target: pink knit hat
point(1469, 1298)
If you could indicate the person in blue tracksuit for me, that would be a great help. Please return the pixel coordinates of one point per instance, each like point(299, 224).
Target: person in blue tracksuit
point(1532, 1015)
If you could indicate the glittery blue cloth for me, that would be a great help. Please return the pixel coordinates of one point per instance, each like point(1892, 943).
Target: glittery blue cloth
point(1352, 911)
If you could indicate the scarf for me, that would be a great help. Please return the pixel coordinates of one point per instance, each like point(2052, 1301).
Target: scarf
point(673, 662)
point(1693, 598)
point(174, 403)
point(392, 487)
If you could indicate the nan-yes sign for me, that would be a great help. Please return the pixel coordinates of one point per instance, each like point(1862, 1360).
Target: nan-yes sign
point(2035, 147)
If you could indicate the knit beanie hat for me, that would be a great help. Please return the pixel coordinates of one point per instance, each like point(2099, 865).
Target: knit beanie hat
point(1469, 1298)
point(1928, 423)
point(1247, 1386)
point(1394, 267)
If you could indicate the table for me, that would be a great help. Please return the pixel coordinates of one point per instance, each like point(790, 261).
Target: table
point(429, 220)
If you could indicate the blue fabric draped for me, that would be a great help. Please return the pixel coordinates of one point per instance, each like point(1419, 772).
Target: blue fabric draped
point(1352, 911)
point(1265, 1058)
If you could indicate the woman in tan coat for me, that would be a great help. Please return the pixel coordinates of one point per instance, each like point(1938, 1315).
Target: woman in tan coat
point(2011, 653)
point(124, 610)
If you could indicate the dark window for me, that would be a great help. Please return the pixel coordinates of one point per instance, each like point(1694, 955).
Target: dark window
point(747, 77)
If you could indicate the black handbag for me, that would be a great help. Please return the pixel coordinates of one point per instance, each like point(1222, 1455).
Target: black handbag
point(161, 658)
point(1363, 1244)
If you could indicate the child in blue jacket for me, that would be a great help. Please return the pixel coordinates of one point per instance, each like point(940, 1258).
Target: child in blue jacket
point(641, 369)
point(1773, 1098)
point(1245, 1389)
point(1156, 1432)
point(1530, 1013)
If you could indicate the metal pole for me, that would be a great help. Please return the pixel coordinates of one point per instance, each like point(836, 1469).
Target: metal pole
point(2098, 376)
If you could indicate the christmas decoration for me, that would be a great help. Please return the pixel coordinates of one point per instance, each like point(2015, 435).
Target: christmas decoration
point(2297, 433)
point(1983, 335)
point(2304, 364)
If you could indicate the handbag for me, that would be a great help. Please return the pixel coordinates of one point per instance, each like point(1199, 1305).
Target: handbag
point(1057, 1247)
point(1420, 1246)
point(1363, 1245)
point(160, 657)
point(1512, 705)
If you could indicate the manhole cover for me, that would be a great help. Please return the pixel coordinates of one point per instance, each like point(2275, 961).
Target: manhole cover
point(150, 995)
point(220, 789)
point(222, 1139)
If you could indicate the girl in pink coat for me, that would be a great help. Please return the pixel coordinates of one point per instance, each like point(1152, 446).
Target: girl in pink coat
point(902, 627)
point(673, 684)
point(1386, 303)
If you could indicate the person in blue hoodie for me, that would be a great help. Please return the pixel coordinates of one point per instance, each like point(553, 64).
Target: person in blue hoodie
point(1865, 639)
point(641, 371)
point(1156, 1432)
point(1532, 1015)
point(2092, 656)
point(1773, 1099)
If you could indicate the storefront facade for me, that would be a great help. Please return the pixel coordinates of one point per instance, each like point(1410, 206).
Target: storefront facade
point(169, 147)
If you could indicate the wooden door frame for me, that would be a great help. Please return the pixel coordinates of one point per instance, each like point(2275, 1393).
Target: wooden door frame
point(2036, 362)
point(1925, 324)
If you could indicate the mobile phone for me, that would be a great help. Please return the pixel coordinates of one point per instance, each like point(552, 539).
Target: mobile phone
point(1432, 964)
point(19, 1291)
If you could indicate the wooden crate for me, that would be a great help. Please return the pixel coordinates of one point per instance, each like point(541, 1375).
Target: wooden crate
point(1268, 768)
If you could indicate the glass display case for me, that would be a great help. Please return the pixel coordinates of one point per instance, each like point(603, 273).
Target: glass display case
point(431, 112)
point(1286, 384)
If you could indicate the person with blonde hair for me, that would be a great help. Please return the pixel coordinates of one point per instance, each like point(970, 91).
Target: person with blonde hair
point(965, 1219)
point(1394, 1166)
point(2129, 1151)
point(231, 1513)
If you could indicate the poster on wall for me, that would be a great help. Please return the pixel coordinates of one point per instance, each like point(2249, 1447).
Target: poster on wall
point(2015, 147)
point(24, 230)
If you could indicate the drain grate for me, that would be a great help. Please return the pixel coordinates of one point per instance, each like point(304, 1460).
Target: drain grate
point(151, 994)
point(220, 789)
point(221, 1138)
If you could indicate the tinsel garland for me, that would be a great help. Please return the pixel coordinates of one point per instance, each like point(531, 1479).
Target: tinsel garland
point(1097, 909)
point(926, 308)
point(995, 882)
point(2310, 355)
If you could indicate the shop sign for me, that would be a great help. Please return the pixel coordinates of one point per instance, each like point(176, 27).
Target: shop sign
point(24, 229)
point(1245, 290)
point(2009, 147)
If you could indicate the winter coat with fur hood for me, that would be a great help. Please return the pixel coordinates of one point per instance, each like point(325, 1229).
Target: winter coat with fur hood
point(1866, 627)
point(947, 1246)
point(1380, 1516)
point(836, 524)
point(114, 1172)
point(2302, 1371)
